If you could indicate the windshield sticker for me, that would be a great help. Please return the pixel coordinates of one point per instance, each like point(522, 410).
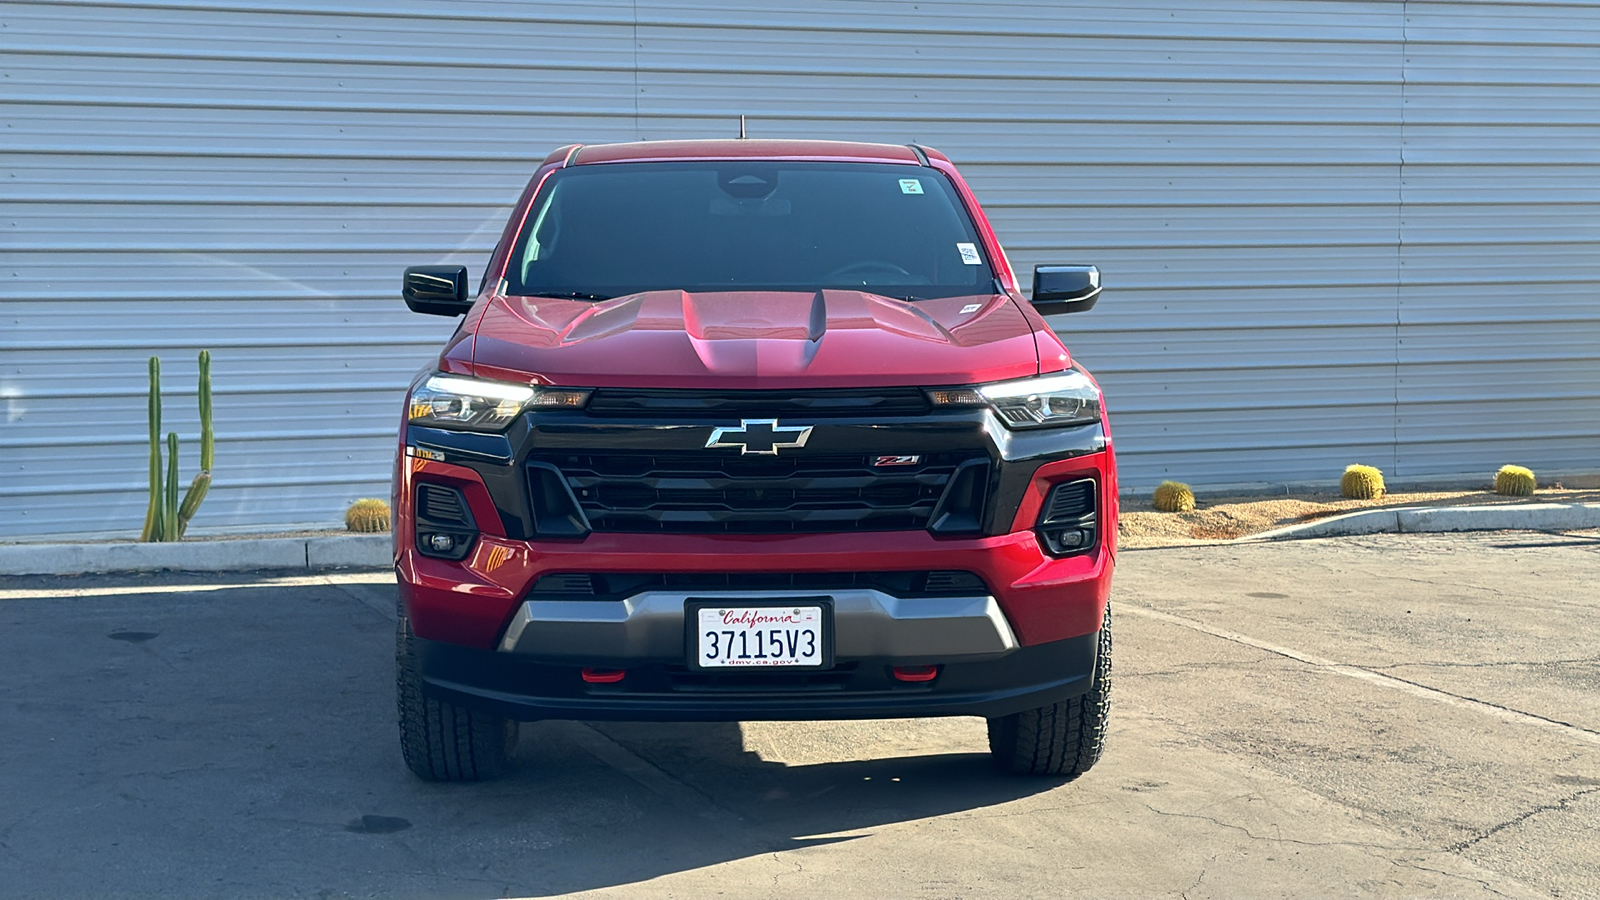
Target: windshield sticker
point(910, 186)
point(969, 254)
point(970, 308)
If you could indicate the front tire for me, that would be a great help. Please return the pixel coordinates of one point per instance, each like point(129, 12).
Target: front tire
point(1065, 738)
point(441, 741)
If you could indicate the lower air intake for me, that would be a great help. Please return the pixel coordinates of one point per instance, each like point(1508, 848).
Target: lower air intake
point(1069, 521)
point(445, 528)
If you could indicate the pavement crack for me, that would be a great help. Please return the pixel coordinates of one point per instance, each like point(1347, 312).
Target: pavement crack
point(1282, 840)
point(168, 773)
point(779, 873)
point(1561, 805)
point(1409, 864)
point(1377, 851)
point(1077, 806)
point(1434, 582)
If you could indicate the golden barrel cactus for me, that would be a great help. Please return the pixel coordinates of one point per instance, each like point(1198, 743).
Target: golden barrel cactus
point(368, 515)
point(1361, 483)
point(1514, 481)
point(1173, 496)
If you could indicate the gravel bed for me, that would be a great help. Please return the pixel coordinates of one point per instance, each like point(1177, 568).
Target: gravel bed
point(1227, 518)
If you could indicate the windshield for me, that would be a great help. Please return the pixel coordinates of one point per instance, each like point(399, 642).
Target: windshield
point(606, 230)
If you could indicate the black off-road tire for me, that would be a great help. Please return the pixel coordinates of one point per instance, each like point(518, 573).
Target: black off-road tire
point(1065, 738)
point(441, 741)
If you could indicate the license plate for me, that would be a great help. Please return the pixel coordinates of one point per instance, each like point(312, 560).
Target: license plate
point(735, 635)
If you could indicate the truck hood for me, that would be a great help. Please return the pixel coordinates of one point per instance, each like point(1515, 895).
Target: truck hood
point(747, 339)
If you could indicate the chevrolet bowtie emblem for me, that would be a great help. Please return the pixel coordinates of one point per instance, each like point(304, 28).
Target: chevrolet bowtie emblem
point(760, 437)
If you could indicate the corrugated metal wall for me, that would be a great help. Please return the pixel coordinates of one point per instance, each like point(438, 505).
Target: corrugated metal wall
point(1499, 301)
point(1333, 231)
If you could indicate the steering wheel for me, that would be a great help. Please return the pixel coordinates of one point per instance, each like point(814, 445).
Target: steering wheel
point(867, 267)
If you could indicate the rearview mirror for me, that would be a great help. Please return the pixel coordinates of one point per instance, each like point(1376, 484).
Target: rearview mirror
point(436, 290)
point(1065, 289)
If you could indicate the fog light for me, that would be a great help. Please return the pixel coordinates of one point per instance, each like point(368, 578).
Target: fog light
point(1068, 540)
point(442, 543)
point(603, 676)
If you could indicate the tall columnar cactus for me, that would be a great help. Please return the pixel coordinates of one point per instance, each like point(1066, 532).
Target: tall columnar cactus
point(153, 530)
point(208, 445)
point(167, 519)
point(169, 497)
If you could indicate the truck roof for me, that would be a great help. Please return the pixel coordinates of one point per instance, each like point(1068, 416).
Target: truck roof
point(645, 151)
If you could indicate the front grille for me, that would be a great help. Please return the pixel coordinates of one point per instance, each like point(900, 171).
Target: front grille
point(718, 493)
point(622, 585)
point(766, 404)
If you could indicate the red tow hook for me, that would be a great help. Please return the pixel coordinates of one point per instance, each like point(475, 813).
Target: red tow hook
point(916, 673)
point(603, 676)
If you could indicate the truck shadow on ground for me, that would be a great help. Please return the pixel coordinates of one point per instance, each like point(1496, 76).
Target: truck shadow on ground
point(189, 736)
point(685, 796)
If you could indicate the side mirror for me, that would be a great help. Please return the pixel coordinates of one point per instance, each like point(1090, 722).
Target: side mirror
point(436, 290)
point(1065, 289)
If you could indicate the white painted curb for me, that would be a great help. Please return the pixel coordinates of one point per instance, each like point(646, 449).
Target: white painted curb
point(1372, 521)
point(350, 551)
point(374, 551)
point(363, 551)
point(1418, 519)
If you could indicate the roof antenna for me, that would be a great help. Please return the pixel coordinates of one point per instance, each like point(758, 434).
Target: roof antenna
point(741, 128)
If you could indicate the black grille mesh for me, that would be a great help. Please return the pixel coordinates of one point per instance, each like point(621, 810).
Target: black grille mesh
point(1069, 502)
point(442, 505)
point(727, 493)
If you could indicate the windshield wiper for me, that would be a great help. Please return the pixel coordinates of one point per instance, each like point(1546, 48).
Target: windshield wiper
point(567, 295)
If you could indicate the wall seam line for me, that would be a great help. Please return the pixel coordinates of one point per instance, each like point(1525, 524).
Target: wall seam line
point(1400, 234)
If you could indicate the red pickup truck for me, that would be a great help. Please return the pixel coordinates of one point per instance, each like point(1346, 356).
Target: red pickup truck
point(752, 430)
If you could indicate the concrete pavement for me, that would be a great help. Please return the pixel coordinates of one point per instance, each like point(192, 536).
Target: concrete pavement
point(1396, 715)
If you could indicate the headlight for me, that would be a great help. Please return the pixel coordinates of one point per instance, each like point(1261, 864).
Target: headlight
point(471, 404)
point(1049, 401)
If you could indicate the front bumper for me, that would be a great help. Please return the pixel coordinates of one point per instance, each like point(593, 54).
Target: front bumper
point(649, 627)
point(519, 687)
point(475, 601)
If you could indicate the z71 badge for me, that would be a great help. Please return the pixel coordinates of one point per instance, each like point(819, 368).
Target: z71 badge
point(896, 461)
